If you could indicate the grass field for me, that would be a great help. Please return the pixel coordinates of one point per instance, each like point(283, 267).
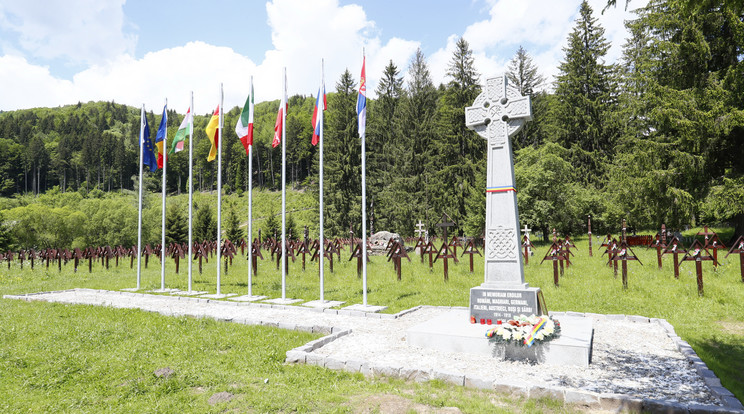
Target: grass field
point(91, 359)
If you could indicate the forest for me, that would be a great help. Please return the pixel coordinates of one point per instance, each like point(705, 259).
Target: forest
point(657, 137)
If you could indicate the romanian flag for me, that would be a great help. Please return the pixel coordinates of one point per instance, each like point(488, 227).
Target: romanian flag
point(213, 133)
point(161, 137)
point(244, 128)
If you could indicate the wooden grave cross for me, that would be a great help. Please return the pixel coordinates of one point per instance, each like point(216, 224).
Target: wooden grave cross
point(738, 248)
point(589, 233)
point(659, 245)
point(698, 253)
point(470, 250)
point(623, 253)
point(396, 254)
point(357, 253)
point(556, 255)
point(527, 244)
point(715, 244)
point(675, 248)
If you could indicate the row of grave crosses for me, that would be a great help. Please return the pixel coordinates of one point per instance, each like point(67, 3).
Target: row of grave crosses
point(558, 253)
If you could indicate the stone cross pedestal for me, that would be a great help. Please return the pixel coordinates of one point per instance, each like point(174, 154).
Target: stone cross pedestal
point(497, 114)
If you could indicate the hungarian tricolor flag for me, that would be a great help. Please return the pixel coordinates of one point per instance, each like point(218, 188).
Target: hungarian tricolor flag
point(283, 107)
point(244, 128)
point(183, 130)
point(213, 133)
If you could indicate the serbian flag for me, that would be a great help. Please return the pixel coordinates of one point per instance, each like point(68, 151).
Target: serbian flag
point(362, 100)
point(213, 133)
point(244, 128)
point(283, 107)
point(160, 138)
point(317, 113)
point(183, 130)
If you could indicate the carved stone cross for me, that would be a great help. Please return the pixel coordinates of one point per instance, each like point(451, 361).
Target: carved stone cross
point(497, 114)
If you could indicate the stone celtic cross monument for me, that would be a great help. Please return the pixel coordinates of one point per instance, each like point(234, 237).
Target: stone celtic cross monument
point(497, 114)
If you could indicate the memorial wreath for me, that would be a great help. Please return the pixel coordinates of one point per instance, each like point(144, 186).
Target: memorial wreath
point(525, 330)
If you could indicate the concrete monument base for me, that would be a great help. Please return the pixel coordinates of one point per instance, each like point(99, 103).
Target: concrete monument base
point(451, 332)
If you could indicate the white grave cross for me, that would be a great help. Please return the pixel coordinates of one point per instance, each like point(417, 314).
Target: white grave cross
point(420, 231)
point(526, 231)
point(497, 114)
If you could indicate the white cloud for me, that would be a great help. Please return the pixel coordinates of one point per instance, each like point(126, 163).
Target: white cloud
point(298, 43)
point(24, 85)
point(540, 26)
point(77, 31)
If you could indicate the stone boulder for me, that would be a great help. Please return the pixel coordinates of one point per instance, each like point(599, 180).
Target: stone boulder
point(379, 241)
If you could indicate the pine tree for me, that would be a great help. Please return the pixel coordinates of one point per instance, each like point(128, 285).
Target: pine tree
point(342, 160)
point(176, 226)
point(585, 91)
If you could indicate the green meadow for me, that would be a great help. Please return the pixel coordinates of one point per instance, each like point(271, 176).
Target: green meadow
point(61, 358)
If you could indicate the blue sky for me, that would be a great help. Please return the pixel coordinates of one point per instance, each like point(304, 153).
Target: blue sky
point(61, 52)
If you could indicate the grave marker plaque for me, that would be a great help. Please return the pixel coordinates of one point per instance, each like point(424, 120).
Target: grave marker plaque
point(498, 113)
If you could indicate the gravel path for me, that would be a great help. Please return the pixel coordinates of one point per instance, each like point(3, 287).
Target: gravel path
point(636, 362)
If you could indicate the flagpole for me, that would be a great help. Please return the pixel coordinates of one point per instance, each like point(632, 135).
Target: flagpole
point(364, 202)
point(219, 191)
point(165, 166)
point(320, 184)
point(250, 201)
point(191, 184)
point(139, 210)
point(284, 187)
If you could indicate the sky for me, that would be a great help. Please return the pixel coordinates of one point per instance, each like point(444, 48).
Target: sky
point(142, 52)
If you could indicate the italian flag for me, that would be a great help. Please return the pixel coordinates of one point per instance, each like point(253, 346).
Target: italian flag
point(244, 128)
point(186, 128)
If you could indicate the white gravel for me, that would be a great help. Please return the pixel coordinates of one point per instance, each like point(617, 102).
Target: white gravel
point(636, 359)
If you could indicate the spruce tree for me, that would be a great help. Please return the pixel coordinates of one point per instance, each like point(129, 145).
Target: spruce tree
point(415, 132)
point(272, 226)
point(585, 91)
point(205, 226)
point(342, 160)
point(384, 148)
point(458, 156)
point(176, 226)
point(233, 232)
point(523, 74)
